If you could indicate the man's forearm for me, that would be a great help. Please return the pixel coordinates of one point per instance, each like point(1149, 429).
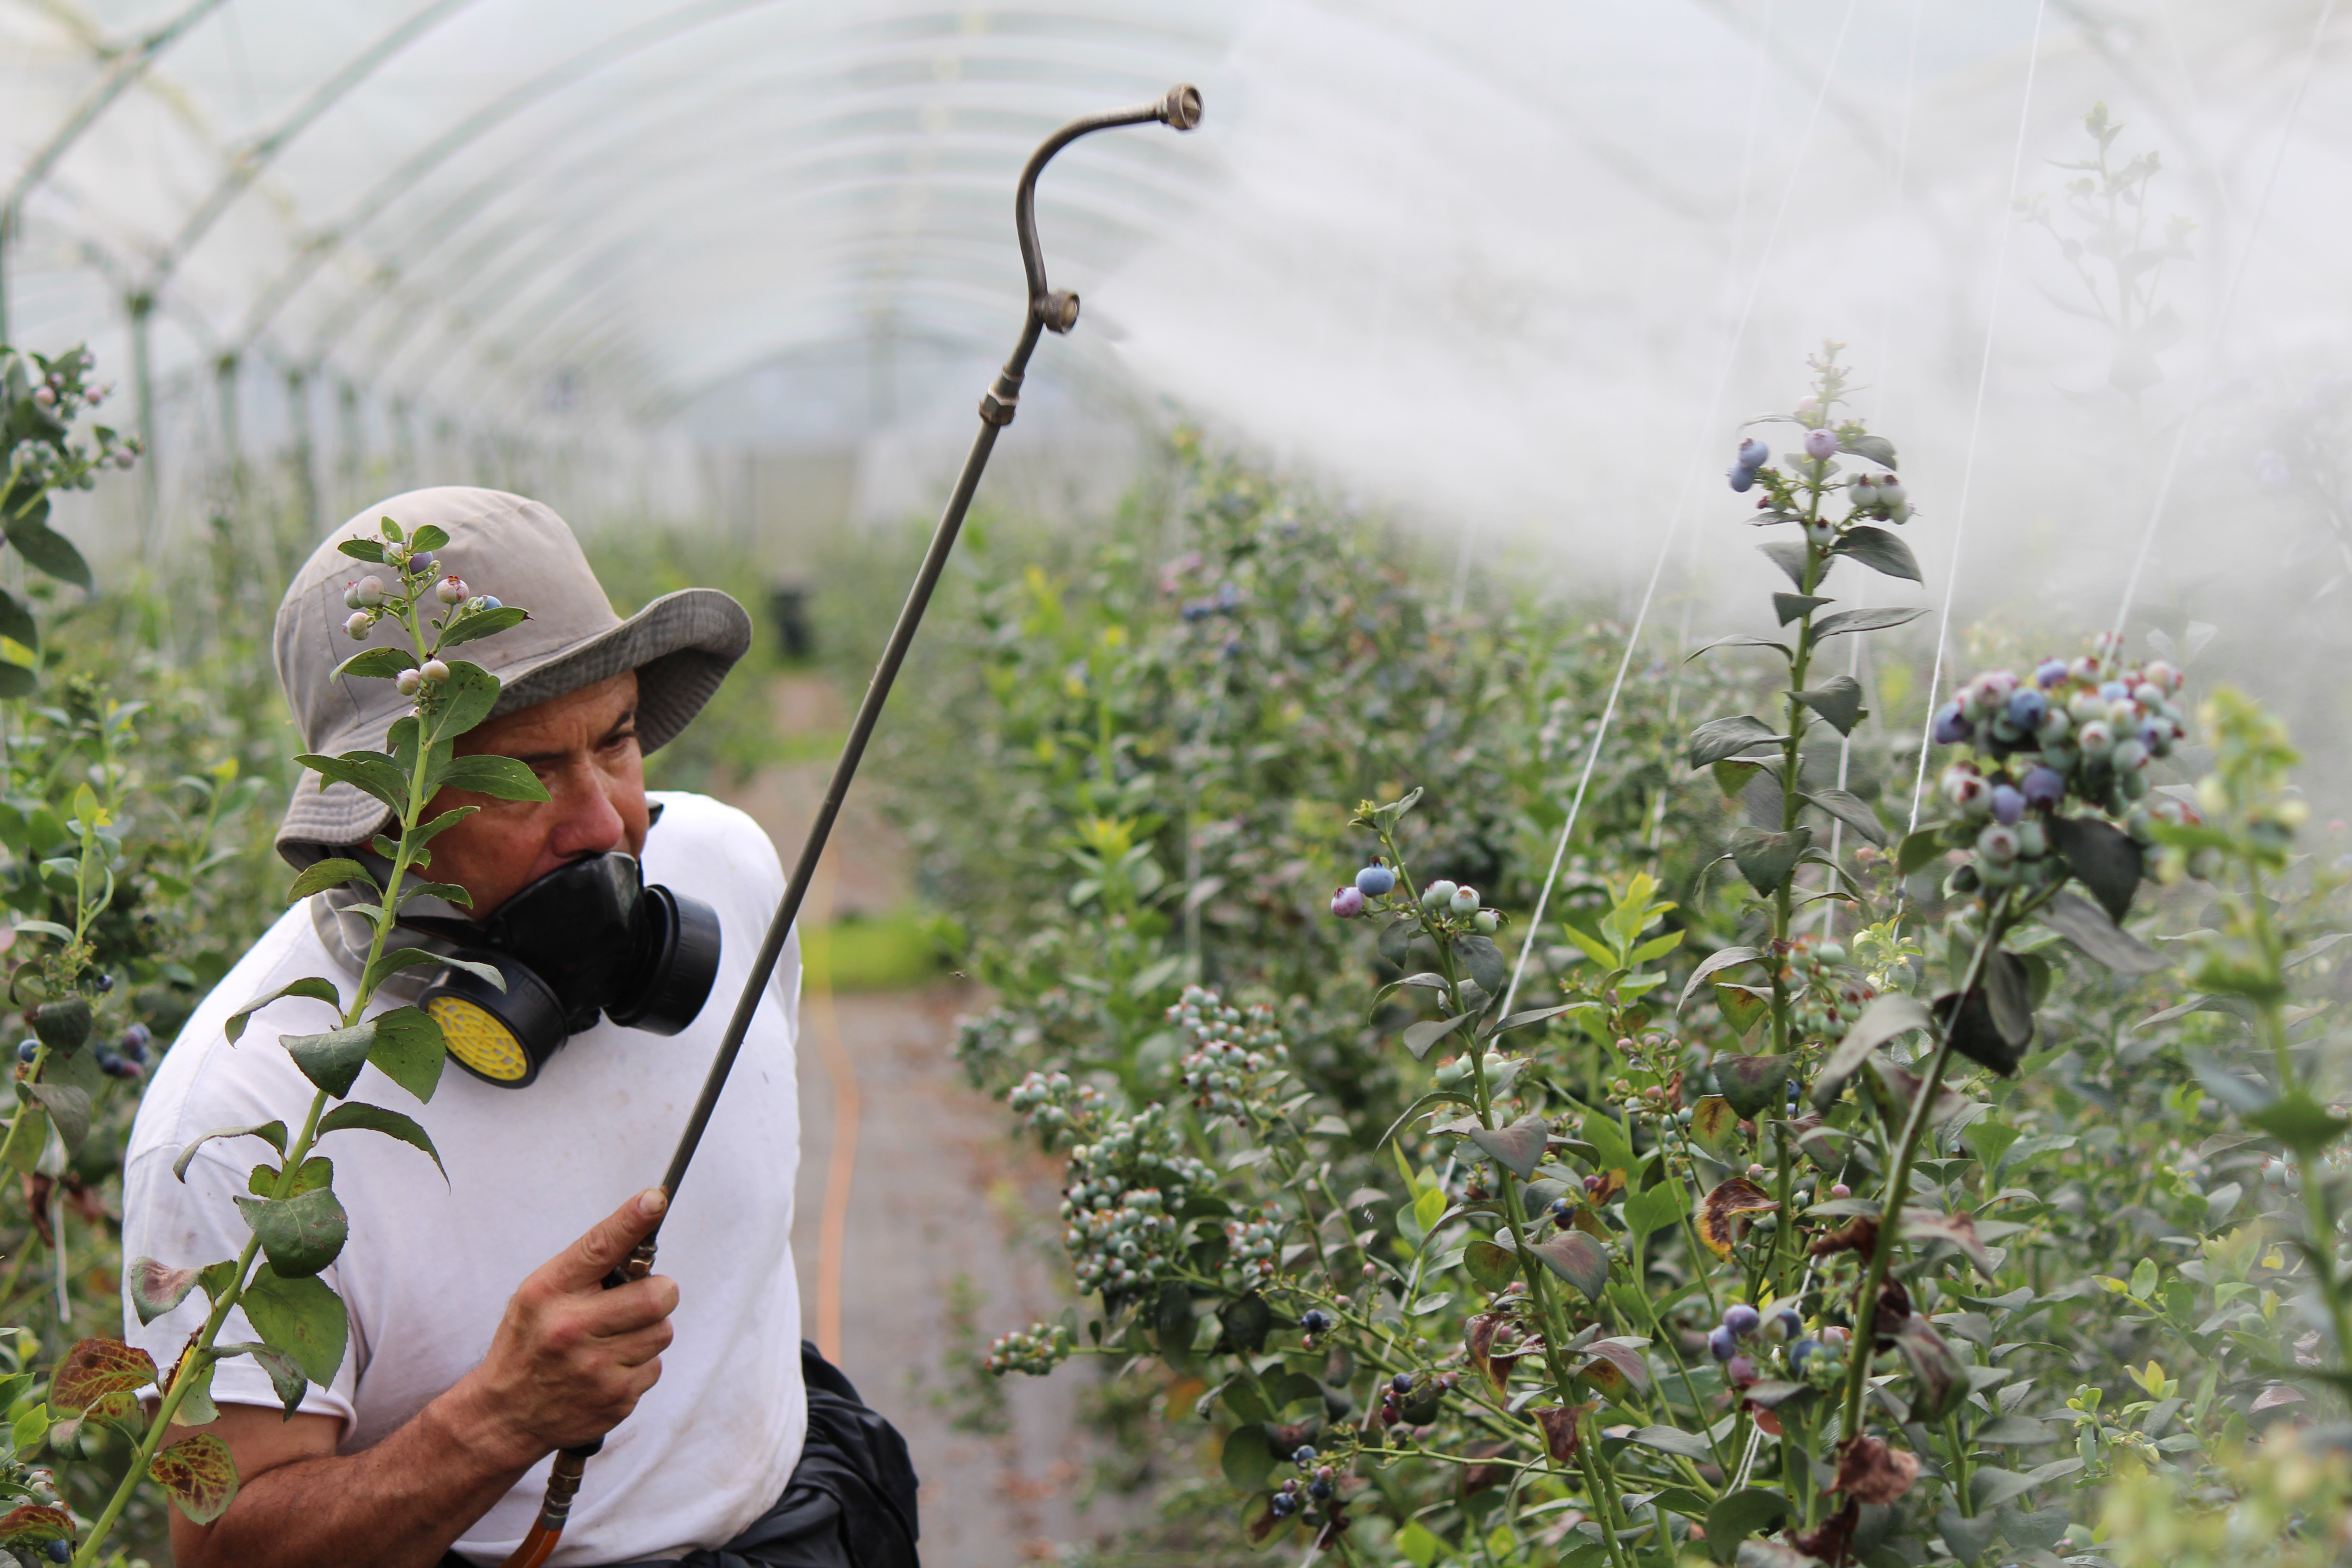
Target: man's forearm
point(399, 1504)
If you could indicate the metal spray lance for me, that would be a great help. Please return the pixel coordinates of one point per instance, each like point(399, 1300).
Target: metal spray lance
point(1050, 309)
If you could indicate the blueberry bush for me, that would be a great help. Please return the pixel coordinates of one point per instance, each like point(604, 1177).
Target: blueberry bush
point(1833, 1178)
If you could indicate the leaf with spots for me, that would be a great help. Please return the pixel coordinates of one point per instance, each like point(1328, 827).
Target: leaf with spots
point(1726, 1212)
point(199, 1474)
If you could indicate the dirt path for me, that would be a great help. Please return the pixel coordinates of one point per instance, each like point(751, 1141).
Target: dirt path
point(922, 1231)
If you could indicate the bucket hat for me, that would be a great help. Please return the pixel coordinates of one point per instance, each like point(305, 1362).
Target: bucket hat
point(681, 646)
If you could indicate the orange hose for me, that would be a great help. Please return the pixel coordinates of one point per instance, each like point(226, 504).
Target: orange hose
point(536, 1549)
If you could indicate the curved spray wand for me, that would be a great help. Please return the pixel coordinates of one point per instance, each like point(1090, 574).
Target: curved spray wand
point(1050, 309)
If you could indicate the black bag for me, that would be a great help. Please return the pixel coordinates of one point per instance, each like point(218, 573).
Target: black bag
point(851, 1501)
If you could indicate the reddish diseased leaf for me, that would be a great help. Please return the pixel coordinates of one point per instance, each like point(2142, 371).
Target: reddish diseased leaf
point(1518, 1147)
point(156, 1288)
point(1926, 1225)
point(100, 1376)
point(1577, 1259)
point(1868, 1471)
point(1479, 1341)
point(199, 1474)
point(1476, 1478)
point(1724, 1215)
point(1712, 1122)
point(1562, 1428)
point(1753, 1085)
point(1832, 1540)
point(1613, 1186)
point(34, 1525)
point(1615, 1364)
point(1860, 1235)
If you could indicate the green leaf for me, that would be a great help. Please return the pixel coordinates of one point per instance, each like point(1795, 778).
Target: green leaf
point(1838, 700)
point(1247, 1459)
point(426, 831)
point(1670, 1440)
point(1789, 556)
point(326, 874)
point(1918, 849)
point(63, 1024)
point(1876, 450)
point(358, 1114)
point(502, 778)
point(481, 624)
point(1766, 859)
point(309, 985)
point(1881, 551)
point(200, 1474)
point(1846, 621)
point(1716, 962)
point(1419, 1037)
point(375, 663)
point(48, 551)
point(410, 1051)
point(369, 770)
point(271, 1133)
point(1736, 1516)
point(332, 1061)
point(301, 1319)
point(1852, 810)
point(285, 1377)
point(1490, 1268)
point(1655, 1209)
point(1484, 962)
point(1519, 1147)
point(1731, 776)
point(1719, 739)
point(1752, 1085)
point(2104, 858)
point(28, 1432)
point(1795, 606)
point(429, 538)
point(68, 1106)
point(17, 624)
point(1714, 1123)
point(1889, 1016)
point(300, 1235)
point(363, 550)
point(1610, 1146)
point(2299, 1121)
point(390, 529)
point(2087, 926)
point(467, 698)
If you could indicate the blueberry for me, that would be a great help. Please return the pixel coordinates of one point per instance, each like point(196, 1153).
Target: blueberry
point(490, 602)
point(102, 984)
point(1742, 1319)
point(1741, 479)
point(2049, 672)
point(1784, 1325)
point(1347, 903)
point(1282, 1505)
point(1304, 1457)
point(107, 1062)
point(1998, 844)
point(1320, 1491)
point(1952, 727)
point(1465, 902)
point(135, 1041)
point(1315, 1322)
point(2115, 692)
point(1740, 1370)
point(1373, 881)
point(1561, 1209)
point(26, 1051)
point(1754, 454)
point(60, 1551)
point(1722, 1343)
point(2008, 805)
point(1437, 893)
point(1821, 445)
point(1801, 1353)
point(2026, 707)
point(2043, 786)
point(1401, 1383)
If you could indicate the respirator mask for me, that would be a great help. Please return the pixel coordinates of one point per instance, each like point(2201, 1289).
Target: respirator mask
point(591, 939)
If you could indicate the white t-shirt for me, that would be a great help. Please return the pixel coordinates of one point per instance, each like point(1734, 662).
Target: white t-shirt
point(428, 1267)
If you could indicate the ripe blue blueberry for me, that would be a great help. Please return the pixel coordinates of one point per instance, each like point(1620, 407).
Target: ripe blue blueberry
point(490, 602)
point(1952, 727)
point(2049, 672)
point(1348, 902)
point(2043, 786)
point(1401, 1383)
point(1320, 1490)
point(135, 1041)
point(2008, 805)
point(1754, 454)
point(1282, 1505)
point(1314, 1321)
point(1373, 881)
point(2115, 692)
point(1304, 1457)
point(1821, 445)
point(2026, 707)
point(26, 1051)
point(1784, 1325)
point(107, 1062)
point(1741, 479)
point(60, 1551)
point(1801, 1353)
point(1742, 1319)
point(1722, 1343)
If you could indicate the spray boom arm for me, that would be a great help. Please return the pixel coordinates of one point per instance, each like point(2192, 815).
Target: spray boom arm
point(1050, 309)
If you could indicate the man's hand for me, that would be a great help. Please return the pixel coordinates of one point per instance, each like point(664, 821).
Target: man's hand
point(570, 1361)
point(572, 1358)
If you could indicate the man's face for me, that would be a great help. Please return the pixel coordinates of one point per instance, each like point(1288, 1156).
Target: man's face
point(584, 747)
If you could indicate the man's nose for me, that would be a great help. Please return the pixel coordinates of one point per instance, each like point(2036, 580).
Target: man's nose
point(587, 822)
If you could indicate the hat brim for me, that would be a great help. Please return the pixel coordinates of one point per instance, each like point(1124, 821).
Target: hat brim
point(681, 646)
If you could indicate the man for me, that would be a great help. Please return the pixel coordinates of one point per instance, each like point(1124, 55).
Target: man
point(481, 1339)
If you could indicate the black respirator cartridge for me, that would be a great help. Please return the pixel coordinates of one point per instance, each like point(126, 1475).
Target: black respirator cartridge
point(588, 939)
